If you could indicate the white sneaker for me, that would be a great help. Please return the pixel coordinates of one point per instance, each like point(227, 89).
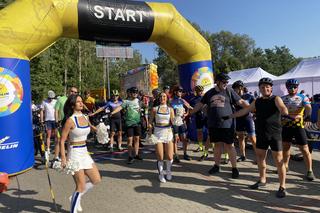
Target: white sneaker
point(169, 175)
point(162, 179)
point(79, 209)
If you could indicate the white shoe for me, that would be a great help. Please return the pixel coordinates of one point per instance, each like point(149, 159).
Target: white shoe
point(169, 175)
point(79, 208)
point(162, 179)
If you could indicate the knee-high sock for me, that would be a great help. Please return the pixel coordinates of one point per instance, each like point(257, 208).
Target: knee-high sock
point(160, 166)
point(75, 200)
point(169, 164)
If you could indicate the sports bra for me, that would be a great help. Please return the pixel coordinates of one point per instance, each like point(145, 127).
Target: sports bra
point(162, 119)
point(79, 133)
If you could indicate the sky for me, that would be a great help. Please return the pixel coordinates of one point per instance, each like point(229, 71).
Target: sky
point(291, 23)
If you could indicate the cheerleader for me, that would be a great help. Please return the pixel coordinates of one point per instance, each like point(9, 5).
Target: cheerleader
point(162, 118)
point(76, 128)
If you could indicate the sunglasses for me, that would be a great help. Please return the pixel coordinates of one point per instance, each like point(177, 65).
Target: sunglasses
point(75, 92)
point(292, 87)
point(180, 90)
point(225, 82)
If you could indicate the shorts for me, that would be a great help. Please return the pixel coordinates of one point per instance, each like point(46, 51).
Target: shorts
point(225, 135)
point(180, 130)
point(246, 125)
point(264, 143)
point(115, 125)
point(50, 125)
point(134, 130)
point(288, 133)
point(164, 134)
point(200, 122)
point(81, 156)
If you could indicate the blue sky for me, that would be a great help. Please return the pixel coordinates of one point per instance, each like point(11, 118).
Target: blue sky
point(293, 23)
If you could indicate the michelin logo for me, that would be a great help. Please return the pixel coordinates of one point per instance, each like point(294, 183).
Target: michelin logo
point(5, 146)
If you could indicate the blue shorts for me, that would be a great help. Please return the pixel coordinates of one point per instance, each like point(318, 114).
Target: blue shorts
point(246, 125)
point(50, 125)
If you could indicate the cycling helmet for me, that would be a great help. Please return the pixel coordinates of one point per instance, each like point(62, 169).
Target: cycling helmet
point(222, 77)
point(292, 82)
point(237, 84)
point(178, 88)
point(115, 93)
point(166, 87)
point(198, 88)
point(265, 81)
point(51, 94)
point(134, 90)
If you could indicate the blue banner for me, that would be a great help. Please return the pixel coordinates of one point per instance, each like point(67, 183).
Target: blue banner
point(16, 137)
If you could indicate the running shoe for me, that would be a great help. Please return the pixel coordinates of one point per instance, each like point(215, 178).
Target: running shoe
point(199, 149)
point(281, 193)
point(137, 157)
point(161, 178)
point(169, 175)
point(186, 157)
point(310, 176)
point(176, 159)
point(258, 185)
point(225, 161)
point(235, 173)
point(242, 158)
point(120, 149)
point(130, 160)
point(214, 169)
point(203, 157)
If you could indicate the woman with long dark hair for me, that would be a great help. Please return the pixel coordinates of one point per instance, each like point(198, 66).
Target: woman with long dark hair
point(76, 128)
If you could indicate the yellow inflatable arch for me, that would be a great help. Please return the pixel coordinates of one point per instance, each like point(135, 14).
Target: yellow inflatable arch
point(28, 27)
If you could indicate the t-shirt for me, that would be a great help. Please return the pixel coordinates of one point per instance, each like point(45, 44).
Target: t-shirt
point(132, 112)
point(59, 106)
point(219, 105)
point(48, 107)
point(296, 105)
point(90, 103)
point(178, 105)
point(249, 99)
point(112, 106)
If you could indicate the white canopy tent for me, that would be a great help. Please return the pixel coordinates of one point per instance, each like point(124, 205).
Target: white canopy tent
point(250, 77)
point(308, 74)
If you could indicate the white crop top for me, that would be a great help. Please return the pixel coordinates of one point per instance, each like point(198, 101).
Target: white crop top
point(162, 118)
point(79, 133)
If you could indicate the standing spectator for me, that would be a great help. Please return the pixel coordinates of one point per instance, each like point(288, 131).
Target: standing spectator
point(220, 101)
point(166, 89)
point(269, 109)
point(115, 119)
point(89, 102)
point(181, 108)
point(47, 117)
point(132, 119)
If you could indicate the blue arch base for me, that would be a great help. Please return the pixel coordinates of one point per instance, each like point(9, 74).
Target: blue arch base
point(191, 75)
point(16, 137)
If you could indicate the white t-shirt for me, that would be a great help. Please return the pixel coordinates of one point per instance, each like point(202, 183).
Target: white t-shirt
point(48, 108)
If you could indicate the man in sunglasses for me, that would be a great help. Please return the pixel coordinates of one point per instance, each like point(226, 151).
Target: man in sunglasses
point(220, 101)
point(299, 108)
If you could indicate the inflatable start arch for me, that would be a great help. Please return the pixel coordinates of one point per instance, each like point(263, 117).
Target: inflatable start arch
point(28, 27)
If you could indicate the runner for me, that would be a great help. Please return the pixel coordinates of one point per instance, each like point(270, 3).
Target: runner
point(180, 107)
point(76, 128)
point(220, 101)
point(132, 119)
point(47, 118)
point(300, 109)
point(244, 124)
point(269, 109)
point(115, 119)
point(162, 119)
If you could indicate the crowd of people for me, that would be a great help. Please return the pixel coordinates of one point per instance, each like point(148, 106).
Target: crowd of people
point(267, 121)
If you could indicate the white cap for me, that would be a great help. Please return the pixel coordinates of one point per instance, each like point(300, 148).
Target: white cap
point(51, 94)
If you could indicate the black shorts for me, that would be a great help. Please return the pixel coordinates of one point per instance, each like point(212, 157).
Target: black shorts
point(134, 130)
point(288, 133)
point(225, 135)
point(264, 143)
point(246, 125)
point(115, 125)
point(200, 122)
point(179, 130)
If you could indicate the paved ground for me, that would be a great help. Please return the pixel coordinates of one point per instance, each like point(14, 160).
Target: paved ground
point(135, 188)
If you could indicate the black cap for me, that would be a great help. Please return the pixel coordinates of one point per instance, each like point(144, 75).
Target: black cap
point(222, 77)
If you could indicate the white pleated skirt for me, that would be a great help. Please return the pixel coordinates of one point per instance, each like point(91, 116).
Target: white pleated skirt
point(164, 135)
point(81, 156)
